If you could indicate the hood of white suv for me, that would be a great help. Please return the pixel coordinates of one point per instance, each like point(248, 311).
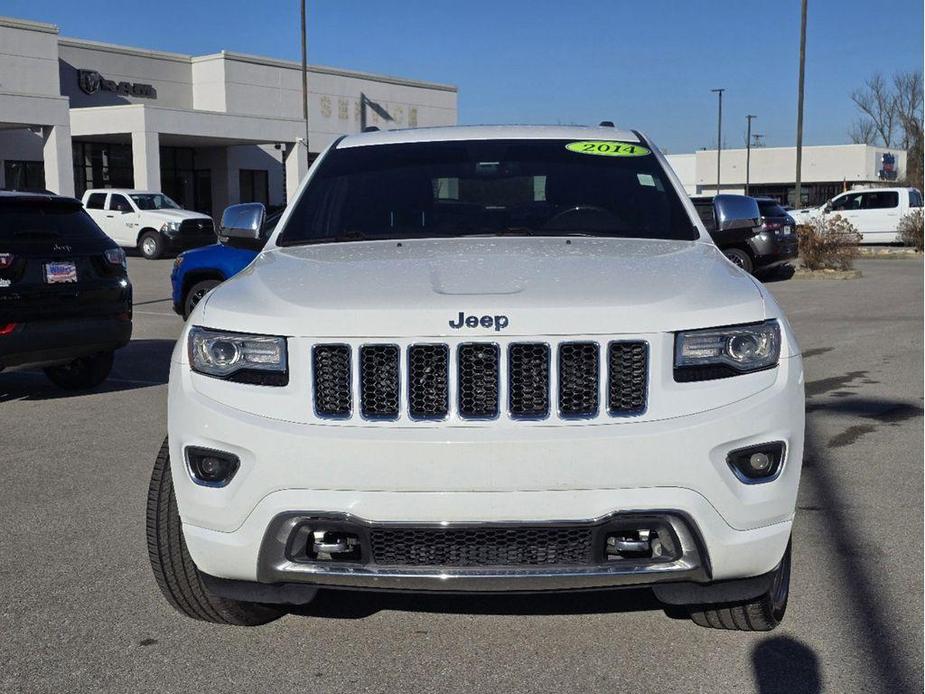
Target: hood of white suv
point(541, 286)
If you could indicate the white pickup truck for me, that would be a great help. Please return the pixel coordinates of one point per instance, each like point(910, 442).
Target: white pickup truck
point(483, 359)
point(874, 212)
point(150, 222)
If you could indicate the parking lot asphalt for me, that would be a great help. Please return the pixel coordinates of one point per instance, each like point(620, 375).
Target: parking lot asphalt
point(79, 609)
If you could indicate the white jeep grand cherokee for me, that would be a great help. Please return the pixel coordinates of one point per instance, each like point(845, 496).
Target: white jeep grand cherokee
point(483, 359)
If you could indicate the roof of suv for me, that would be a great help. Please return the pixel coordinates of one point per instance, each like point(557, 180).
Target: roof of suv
point(488, 132)
point(125, 191)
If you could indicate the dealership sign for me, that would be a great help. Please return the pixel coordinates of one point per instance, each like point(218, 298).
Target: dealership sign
point(92, 82)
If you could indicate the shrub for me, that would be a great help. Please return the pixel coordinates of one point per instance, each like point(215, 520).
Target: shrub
point(910, 229)
point(828, 243)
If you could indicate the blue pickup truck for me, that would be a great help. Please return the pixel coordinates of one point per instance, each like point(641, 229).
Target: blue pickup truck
point(197, 271)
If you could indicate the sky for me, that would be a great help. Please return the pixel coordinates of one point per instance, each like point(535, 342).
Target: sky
point(648, 65)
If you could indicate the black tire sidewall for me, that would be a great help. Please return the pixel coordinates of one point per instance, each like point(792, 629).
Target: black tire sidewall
point(745, 259)
point(208, 285)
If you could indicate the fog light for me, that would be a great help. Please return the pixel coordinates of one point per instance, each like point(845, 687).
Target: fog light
point(759, 463)
point(211, 468)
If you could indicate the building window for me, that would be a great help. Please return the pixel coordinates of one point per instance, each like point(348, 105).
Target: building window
point(254, 186)
point(102, 165)
point(24, 175)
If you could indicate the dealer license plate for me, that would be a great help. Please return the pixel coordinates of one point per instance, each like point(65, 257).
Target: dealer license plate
point(787, 230)
point(60, 273)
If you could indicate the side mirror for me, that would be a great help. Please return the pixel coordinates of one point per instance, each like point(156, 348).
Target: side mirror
point(736, 212)
point(243, 222)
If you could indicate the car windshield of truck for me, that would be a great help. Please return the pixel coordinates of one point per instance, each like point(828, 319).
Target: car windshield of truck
point(153, 201)
point(488, 188)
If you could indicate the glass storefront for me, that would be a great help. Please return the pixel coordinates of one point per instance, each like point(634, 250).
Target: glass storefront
point(102, 165)
point(189, 186)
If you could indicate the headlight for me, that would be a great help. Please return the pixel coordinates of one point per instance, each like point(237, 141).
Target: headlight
point(170, 226)
point(255, 359)
point(702, 355)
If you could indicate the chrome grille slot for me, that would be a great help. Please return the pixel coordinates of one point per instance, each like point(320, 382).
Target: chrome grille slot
point(579, 375)
point(528, 377)
point(628, 375)
point(428, 381)
point(477, 373)
point(332, 387)
point(379, 381)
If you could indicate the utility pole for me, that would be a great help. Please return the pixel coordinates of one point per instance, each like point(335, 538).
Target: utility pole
point(305, 85)
point(748, 151)
point(798, 194)
point(719, 135)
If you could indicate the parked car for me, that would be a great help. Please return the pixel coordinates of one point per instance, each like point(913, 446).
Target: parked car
point(483, 359)
point(150, 222)
point(65, 296)
point(874, 212)
point(771, 244)
point(197, 272)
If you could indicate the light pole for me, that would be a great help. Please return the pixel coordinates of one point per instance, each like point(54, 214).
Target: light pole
point(748, 151)
point(719, 134)
point(798, 193)
point(305, 86)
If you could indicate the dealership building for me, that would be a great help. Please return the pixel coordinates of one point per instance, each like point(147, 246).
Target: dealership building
point(826, 171)
point(208, 130)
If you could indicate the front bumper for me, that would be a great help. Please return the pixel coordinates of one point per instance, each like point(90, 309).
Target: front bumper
point(183, 240)
point(466, 475)
point(55, 341)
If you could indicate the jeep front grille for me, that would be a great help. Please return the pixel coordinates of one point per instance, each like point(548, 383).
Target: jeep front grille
point(471, 380)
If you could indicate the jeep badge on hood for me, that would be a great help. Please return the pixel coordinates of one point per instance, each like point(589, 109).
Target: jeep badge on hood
point(498, 322)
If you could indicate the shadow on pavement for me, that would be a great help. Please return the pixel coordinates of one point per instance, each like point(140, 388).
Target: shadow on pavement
point(140, 364)
point(783, 665)
point(881, 645)
point(334, 604)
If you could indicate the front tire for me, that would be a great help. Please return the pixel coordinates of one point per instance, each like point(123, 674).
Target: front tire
point(196, 294)
point(763, 613)
point(176, 574)
point(151, 245)
point(740, 258)
point(82, 373)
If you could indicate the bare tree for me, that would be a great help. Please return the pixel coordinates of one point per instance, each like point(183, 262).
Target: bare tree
point(863, 131)
point(876, 100)
point(908, 105)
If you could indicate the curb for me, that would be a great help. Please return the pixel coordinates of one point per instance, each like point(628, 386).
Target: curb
point(889, 253)
point(827, 274)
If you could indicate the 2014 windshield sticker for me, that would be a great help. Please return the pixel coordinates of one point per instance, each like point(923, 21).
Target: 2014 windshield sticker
point(604, 148)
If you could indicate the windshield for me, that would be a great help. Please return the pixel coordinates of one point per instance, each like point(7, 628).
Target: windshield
point(153, 201)
point(487, 187)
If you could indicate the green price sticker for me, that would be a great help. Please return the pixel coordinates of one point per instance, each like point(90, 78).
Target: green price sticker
point(603, 148)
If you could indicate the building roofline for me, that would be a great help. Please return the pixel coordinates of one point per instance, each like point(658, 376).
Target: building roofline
point(324, 70)
point(127, 50)
point(28, 24)
point(793, 147)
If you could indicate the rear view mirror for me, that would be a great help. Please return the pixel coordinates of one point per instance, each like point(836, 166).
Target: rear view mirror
point(736, 212)
point(243, 222)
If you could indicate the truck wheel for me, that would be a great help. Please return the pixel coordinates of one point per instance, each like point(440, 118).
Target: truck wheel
point(761, 614)
point(176, 574)
point(195, 294)
point(151, 245)
point(81, 373)
point(740, 258)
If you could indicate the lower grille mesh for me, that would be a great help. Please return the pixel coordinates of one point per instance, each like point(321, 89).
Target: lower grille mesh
point(521, 546)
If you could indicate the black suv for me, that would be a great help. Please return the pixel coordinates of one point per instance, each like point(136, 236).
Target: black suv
point(65, 297)
point(773, 243)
